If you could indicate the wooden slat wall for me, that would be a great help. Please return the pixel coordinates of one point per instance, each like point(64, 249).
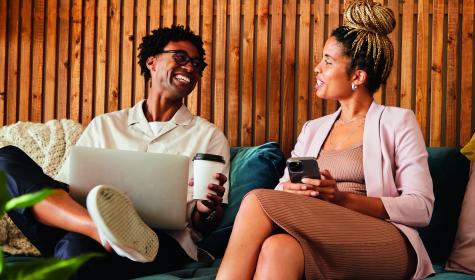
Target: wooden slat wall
point(78, 59)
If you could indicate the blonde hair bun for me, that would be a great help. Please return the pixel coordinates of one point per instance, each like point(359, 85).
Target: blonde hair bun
point(369, 16)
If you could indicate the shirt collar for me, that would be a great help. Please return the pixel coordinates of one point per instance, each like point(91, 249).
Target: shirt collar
point(136, 115)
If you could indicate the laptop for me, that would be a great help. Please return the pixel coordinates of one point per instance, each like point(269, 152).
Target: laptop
point(156, 183)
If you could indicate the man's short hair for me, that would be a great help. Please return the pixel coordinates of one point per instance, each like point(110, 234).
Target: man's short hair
point(154, 43)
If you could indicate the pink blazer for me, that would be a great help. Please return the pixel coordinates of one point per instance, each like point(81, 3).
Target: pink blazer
point(395, 168)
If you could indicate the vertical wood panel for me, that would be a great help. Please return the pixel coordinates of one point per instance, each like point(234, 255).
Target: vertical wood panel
point(289, 78)
point(422, 64)
point(318, 43)
point(101, 58)
point(181, 12)
point(333, 22)
point(87, 68)
point(303, 64)
point(50, 60)
point(378, 95)
point(3, 64)
point(207, 36)
point(436, 72)
point(141, 31)
point(127, 54)
point(452, 62)
point(233, 71)
point(261, 72)
point(154, 14)
point(113, 56)
point(63, 63)
point(37, 61)
point(194, 24)
point(407, 53)
point(220, 65)
point(466, 92)
point(247, 73)
point(25, 62)
point(75, 60)
point(275, 72)
point(168, 12)
point(12, 84)
point(392, 84)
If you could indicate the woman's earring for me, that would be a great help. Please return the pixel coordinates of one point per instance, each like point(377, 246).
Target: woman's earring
point(353, 86)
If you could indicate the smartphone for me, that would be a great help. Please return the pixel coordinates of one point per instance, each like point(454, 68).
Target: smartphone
point(302, 167)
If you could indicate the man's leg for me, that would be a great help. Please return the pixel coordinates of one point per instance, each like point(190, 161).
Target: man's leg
point(111, 266)
point(58, 211)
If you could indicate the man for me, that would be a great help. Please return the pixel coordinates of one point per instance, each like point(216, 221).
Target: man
point(172, 61)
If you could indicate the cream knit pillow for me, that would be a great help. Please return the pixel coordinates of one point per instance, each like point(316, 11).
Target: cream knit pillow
point(48, 145)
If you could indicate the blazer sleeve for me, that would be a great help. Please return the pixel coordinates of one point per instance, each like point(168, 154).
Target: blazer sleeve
point(413, 207)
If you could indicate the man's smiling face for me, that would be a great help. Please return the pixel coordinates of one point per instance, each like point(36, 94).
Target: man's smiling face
point(171, 79)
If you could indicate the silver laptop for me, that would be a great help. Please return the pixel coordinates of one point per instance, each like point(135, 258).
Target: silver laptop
point(156, 183)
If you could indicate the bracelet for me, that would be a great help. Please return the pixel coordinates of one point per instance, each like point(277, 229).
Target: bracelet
point(211, 217)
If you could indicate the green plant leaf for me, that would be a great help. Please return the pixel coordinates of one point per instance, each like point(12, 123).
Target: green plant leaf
point(28, 200)
point(45, 268)
point(2, 260)
point(4, 196)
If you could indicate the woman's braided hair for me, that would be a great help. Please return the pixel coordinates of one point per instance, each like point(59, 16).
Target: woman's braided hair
point(364, 36)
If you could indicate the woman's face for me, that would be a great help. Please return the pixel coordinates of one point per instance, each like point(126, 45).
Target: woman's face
point(332, 79)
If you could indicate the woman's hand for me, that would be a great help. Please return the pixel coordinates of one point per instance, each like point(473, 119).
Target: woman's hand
point(300, 189)
point(326, 188)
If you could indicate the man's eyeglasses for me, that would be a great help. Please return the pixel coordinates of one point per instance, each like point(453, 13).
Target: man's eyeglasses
point(182, 58)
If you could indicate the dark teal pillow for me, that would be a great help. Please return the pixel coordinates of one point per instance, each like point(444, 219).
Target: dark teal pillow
point(449, 170)
point(251, 168)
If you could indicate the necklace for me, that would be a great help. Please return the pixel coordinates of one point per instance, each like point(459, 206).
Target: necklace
point(351, 120)
point(349, 135)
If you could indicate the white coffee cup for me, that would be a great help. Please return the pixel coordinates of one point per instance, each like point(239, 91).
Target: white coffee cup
point(204, 168)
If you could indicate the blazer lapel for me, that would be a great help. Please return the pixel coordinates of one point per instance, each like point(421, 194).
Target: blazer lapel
point(372, 156)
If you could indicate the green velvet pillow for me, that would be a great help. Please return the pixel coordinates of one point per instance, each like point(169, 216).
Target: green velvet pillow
point(251, 168)
point(449, 170)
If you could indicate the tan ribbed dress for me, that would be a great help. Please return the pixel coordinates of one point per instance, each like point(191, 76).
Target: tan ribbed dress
point(340, 243)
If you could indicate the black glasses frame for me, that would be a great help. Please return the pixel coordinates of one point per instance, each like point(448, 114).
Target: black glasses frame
point(197, 63)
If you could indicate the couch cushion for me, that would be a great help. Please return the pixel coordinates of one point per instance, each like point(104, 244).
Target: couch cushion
point(251, 168)
point(462, 257)
point(449, 170)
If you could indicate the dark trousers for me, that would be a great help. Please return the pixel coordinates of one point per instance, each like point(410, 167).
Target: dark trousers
point(25, 176)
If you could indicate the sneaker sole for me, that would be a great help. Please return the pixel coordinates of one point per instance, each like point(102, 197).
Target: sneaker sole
point(115, 216)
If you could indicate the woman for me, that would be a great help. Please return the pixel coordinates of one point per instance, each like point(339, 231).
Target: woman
point(358, 221)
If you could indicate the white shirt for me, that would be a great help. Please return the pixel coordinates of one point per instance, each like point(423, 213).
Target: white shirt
point(185, 134)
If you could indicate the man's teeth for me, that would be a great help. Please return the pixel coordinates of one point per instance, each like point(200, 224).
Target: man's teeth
point(182, 78)
point(319, 83)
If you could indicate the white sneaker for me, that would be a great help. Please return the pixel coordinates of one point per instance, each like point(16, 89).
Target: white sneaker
point(119, 224)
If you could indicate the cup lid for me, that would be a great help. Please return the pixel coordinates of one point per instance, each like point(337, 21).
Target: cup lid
point(210, 157)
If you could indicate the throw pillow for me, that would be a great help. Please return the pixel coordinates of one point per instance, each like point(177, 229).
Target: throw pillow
point(251, 168)
point(449, 170)
point(469, 149)
point(462, 257)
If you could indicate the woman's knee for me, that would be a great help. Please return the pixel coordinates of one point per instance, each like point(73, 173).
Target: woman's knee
point(249, 203)
point(281, 246)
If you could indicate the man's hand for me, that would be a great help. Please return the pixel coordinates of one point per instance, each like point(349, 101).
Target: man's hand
point(208, 213)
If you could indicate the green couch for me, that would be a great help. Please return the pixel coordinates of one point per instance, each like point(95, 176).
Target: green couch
point(262, 166)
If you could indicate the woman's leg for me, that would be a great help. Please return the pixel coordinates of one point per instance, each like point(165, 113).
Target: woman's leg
point(281, 257)
point(251, 228)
